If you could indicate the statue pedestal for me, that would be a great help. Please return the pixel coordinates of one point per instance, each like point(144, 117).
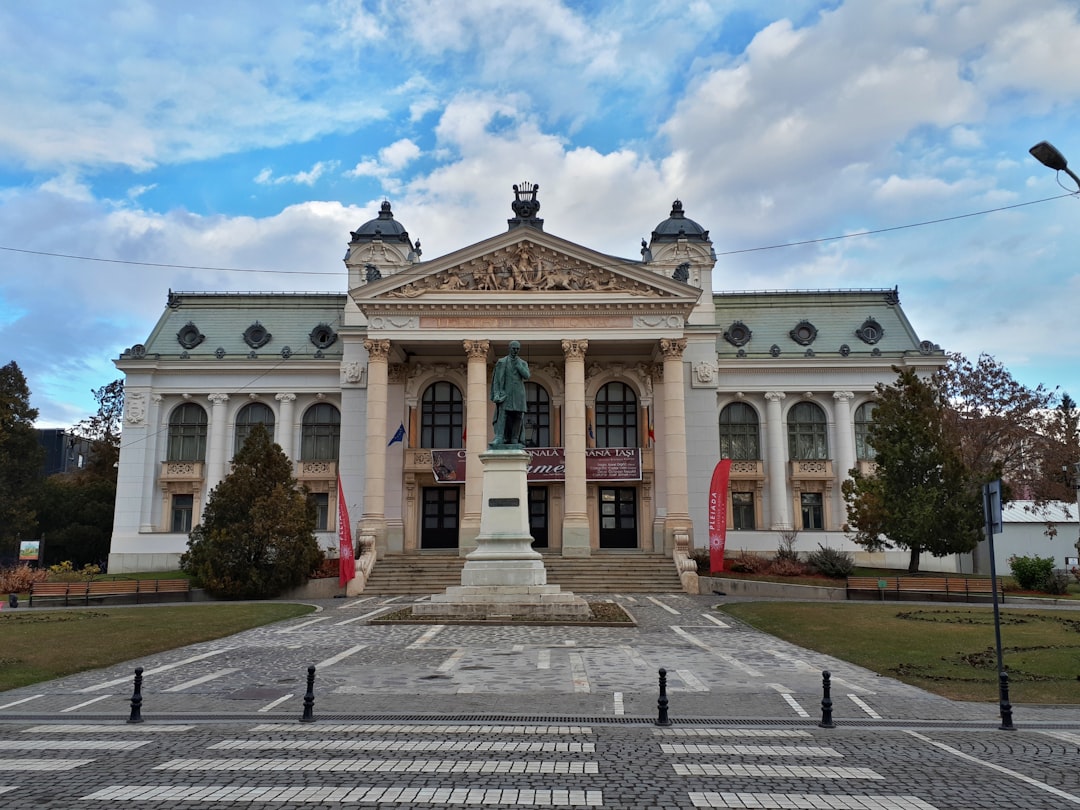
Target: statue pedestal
point(504, 576)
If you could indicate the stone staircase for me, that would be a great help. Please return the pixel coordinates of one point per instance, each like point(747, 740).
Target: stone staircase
point(418, 574)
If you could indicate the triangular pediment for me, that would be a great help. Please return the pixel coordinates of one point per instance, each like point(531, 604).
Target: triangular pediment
point(524, 263)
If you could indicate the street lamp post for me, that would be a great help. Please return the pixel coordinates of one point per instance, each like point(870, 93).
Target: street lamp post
point(1049, 156)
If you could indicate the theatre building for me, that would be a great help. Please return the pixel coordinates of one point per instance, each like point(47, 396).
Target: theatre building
point(642, 378)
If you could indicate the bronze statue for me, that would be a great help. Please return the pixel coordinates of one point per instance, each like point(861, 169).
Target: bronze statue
point(508, 394)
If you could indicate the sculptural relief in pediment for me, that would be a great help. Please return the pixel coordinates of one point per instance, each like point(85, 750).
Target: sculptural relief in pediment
point(524, 267)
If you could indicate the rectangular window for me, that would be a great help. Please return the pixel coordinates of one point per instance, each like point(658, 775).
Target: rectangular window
point(322, 510)
point(813, 512)
point(183, 507)
point(742, 510)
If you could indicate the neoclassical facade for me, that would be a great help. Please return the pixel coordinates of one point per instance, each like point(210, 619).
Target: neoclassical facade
point(642, 378)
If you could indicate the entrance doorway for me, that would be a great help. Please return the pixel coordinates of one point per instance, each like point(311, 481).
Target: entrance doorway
point(538, 516)
point(439, 520)
point(618, 517)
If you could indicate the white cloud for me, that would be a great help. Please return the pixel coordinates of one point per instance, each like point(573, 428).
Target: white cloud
point(308, 178)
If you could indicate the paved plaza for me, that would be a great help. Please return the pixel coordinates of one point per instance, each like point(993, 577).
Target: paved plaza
point(435, 715)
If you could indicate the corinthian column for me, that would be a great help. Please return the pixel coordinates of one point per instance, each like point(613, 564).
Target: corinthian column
point(678, 502)
point(845, 434)
point(373, 523)
point(575, 533)
point(217, 452)
point(779, 507)
point(475, 441)
point(285, 420)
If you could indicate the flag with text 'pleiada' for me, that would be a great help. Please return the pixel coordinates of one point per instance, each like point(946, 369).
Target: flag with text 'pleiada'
point(718, 510)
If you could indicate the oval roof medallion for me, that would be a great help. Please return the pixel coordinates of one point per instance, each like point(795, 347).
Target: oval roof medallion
point(256, 336)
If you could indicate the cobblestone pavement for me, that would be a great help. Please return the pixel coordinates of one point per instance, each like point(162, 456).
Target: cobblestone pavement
point(520, 716)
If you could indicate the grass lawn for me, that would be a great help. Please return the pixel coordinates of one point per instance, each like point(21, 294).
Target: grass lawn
point(948, 650)
point(42, 645)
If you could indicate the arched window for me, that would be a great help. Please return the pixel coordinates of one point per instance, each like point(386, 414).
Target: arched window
point(537, 429)
point(187, 433)
point(442, 416)
point(864, 419)
point(254, 413)
point(320, 433)
point(807, 432)
point(616, 416)
point(739, 434)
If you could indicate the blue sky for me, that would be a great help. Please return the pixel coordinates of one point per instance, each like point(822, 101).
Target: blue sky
point(256, 135)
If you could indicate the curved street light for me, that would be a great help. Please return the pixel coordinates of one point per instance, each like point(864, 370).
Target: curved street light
point(1049, 156)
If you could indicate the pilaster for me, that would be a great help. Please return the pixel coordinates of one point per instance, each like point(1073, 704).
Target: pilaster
point(373, 523)
point(779, 508)
point(575, 533)
point(476, 431)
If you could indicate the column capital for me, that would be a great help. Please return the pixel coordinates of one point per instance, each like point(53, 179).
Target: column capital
point(775, 396)
point(672, 348)
point(843, 396)
point(218, 399)
point(575, 349)
point(285, 397)
point(378, 349)
point(476, 348)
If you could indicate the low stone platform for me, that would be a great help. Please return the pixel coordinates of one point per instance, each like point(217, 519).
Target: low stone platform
point(504, 601)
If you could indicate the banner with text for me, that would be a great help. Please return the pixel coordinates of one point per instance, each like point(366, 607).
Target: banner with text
point(549, 464)
point(718, 514)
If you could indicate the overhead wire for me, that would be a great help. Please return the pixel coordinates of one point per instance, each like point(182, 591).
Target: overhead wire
point(407, 274)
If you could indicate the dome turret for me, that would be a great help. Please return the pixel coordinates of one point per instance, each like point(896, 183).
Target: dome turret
point(678, 226)
point(384, 227)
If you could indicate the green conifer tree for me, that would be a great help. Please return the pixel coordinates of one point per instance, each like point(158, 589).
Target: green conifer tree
point(257, 535)
point(920, 496)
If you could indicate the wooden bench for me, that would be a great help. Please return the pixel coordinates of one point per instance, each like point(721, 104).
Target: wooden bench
point(159, 587)
point(54, 590)
point(952, 588)
point(108, 588)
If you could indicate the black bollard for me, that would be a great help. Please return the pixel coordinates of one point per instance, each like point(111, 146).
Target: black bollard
point(826, 700)
point(662, 703)
point(309, 698)
point(1006, 707)
point(136, 698)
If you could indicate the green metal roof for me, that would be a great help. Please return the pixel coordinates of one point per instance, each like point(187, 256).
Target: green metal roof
point(225, 325)
point(831, 319)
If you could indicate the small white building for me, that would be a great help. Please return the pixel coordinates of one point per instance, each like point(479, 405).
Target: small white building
point(1032, 531)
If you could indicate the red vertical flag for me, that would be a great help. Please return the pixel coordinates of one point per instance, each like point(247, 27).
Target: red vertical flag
point(718, 514)
point(346, 557)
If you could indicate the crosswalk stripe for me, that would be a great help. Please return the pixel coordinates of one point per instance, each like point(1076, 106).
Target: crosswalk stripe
point(105, 728)
point(519, 797)
point(728, 732)
point(782, 771)
point(72, 745)
point(42, 764)
point(442, 766)
point(472, 746)
point(751, 750)
point(806, 801)
point(376, 728)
